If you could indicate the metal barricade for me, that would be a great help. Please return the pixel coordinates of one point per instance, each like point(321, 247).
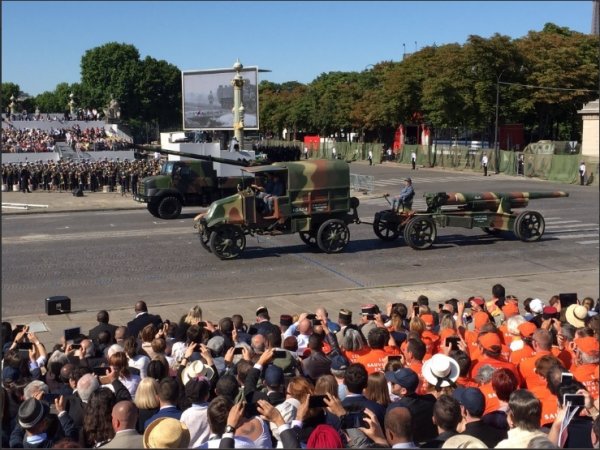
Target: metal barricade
point(363, 183)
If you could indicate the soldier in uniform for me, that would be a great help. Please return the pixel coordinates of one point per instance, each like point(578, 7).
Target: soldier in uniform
point(24, 177)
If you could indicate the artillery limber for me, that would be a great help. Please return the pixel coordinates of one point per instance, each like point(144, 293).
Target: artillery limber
point(490, 211)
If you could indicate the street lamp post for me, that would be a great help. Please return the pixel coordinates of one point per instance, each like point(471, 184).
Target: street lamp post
point(496, 149)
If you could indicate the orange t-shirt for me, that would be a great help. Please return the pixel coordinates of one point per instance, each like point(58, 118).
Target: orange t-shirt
point(549, 404)
point(491, 399)
point(505, 336)
point(518, 355)
point(375, 360)
point(527, 370)
point(417, 366)
point(467, 382)
point(567, 357)
point(352, 356)
point(496, 363)
point(587, 374)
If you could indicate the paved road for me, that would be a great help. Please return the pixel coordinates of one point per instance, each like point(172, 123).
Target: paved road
point(110, 259)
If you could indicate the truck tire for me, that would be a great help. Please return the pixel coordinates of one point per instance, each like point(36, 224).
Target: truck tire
point(333, 236)
point(153, 209)
point(169, 208)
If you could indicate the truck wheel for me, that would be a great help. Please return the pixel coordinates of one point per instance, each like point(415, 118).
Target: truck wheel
point(153, 209)
point(420, 233)
point(169, 208)
point(227, 241)
point(385, 227)
point(333, 235)
point(529, 226)
point(309, 238)
point(205, 240)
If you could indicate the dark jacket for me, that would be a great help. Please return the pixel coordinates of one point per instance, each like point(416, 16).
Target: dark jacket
point(356, 403)
point(94, 332)
point(315, 365)
point(136, 325)
point(439, 440)
point(169, 411)
point(66, 429)
point(487, 434)
point(421, 409)
point(264, 328)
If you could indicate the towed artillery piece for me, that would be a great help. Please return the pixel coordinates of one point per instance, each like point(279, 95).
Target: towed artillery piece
point(490, 211)
point(316, 204)
point(187, 183)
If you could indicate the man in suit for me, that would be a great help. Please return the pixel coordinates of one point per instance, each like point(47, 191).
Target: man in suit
point(142, 318)
point(124, 418)
point(102, 317)
point(356, 379)
point(168, 394)
point(263, 323)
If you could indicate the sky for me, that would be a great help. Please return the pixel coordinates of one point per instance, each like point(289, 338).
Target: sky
point(43, 41)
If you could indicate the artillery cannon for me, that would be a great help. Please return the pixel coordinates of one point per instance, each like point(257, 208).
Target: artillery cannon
point(490, 211)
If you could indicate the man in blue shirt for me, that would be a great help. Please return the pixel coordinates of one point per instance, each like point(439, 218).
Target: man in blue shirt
point(406, 195)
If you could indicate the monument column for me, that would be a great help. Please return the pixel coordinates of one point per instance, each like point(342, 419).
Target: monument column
point(590, 143)
point(238, 104)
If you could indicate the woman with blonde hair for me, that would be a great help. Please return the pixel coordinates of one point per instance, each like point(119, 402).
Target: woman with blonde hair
point(194, 316)
point(296, 392)
point(146, 399)
point(326, 384)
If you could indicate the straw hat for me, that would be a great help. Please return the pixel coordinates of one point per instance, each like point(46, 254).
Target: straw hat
point(576, 315)
point(195, 369)
point(166, 432)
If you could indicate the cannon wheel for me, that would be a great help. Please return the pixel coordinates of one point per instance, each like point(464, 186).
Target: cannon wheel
point(492, 231)
point(169, 207)
point(205, 240)
point(420, 233)
point(529, 226)
point(227, 241)
point(333, 235)
point(152, 208)
point(309, 238)
point(385, 229)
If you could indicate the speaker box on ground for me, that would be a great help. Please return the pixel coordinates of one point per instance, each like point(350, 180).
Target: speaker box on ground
point(58, 304)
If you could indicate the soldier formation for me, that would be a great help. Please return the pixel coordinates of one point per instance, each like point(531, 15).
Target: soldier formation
point(88, 175)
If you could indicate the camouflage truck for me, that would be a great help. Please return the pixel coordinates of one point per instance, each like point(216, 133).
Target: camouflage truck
point(490, 211)
point(186, 183)
point(316, 204)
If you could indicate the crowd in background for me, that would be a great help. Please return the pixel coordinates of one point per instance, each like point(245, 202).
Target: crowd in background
point(496, 373)
point(36, 140)
point(89, 175)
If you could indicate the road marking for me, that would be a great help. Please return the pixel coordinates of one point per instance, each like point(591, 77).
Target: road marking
point(587, 242)
point(88, 235)
point(577, 236)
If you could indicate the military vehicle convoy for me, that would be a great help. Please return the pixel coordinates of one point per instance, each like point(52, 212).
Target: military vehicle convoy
point(186, 183)
point(490, 211)
point(316, 204)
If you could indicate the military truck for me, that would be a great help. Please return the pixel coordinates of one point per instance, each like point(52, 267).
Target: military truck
point(186, 183)
point(316, 204)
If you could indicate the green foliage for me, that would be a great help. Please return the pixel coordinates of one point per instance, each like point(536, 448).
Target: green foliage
point(9, 90)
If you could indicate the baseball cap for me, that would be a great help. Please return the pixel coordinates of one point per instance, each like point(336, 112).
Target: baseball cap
point(407, 378)
point(480, 319)
point(588, 344)
point(472, 399)
point(510, 309)
point(274, 375)
point(478, 300)
point(527, 329)
point(489, 340)
point(536, 306)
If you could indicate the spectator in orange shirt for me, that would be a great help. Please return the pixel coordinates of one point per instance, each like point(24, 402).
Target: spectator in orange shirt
point(585, 371)
point(526, 331)
point(353, 344)
point(503, 384)
point(510, 310)
point(548, 399)
point(430, 337)
point(376, 358)
point(464, 364)
point(564, 338)
point(542, 345)
point(414, 354)
point(490, 347)
point(479, 320)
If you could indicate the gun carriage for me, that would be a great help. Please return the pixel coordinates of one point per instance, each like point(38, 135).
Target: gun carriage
point(490, 211)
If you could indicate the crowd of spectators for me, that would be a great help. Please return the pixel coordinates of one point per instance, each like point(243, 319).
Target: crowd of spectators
point(87, 175)
point(501, 373)
point(86, 114)
point(37, 140)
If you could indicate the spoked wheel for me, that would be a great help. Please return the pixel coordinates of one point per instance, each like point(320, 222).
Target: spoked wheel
point(385, 227)
point(227, 241)
point(205, 240)
point(333, 236)
point(529, 226)
point(420, 233)
point(491, 231)
point(169, 208)
point(309, 238)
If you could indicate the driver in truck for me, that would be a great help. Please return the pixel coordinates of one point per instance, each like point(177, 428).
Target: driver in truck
point(267, 193)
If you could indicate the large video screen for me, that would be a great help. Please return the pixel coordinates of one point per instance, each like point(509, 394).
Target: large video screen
point(208, 99)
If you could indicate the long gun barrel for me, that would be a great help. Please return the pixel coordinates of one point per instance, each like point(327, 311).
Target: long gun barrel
point(234, 162)
point(492, 201)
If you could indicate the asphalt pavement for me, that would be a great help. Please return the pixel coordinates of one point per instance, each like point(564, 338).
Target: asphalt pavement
point(543, 284)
